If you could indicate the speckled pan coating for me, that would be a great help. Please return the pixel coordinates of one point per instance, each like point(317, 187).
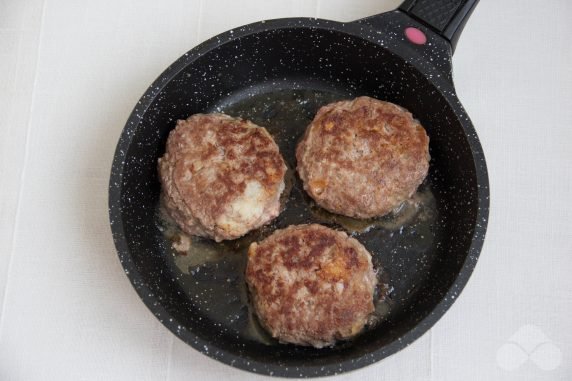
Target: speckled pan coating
point(370, 57)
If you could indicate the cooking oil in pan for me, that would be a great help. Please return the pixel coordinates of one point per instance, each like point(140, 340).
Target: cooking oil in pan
point(417, 207)
point(212, 274)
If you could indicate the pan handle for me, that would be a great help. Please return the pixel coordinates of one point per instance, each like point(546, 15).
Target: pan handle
point(446, 17)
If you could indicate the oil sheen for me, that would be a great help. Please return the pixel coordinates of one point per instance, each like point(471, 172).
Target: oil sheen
point(212, 274)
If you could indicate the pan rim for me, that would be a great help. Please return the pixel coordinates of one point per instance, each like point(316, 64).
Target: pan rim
point(223, 355)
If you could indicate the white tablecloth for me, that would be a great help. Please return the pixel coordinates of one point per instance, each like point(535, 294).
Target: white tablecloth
point(70, 74)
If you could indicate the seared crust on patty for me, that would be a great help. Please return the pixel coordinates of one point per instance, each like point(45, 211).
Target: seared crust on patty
point(311, 285)
point(362, 158)
point(221, 176)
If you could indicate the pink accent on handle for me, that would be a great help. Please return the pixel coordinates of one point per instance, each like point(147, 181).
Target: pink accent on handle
point(415, 35)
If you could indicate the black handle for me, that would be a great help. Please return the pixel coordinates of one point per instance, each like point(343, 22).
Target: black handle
point(446, 17)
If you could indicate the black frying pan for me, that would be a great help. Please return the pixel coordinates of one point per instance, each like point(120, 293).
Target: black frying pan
point(278, 73)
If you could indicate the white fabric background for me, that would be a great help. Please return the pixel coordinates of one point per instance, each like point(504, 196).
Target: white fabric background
point(70, 74)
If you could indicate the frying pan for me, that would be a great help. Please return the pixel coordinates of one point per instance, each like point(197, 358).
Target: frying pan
point(278, 73)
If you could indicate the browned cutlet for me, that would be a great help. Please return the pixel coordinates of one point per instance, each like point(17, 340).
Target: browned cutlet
point(311, 285)
point(221, 176)
point(363, 157)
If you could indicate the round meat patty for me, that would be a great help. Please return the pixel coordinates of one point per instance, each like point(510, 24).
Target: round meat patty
point(362, 158)
point(311, 285)
point(221, 176)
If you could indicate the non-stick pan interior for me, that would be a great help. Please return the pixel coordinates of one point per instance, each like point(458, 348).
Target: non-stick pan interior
point(279, 79)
